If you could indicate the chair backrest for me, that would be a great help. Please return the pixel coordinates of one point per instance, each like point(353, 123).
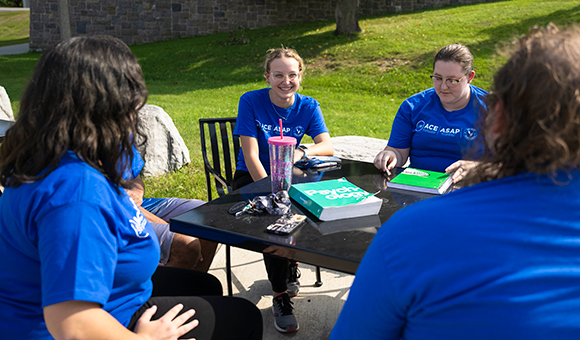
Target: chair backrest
point(217, 143)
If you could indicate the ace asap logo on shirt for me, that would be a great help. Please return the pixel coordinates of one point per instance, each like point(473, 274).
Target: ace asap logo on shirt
point(467, 133)
point(274, 130)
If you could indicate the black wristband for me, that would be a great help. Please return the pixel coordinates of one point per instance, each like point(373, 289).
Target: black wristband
point(304, 149)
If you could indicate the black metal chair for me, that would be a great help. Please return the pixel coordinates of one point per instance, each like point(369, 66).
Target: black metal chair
point(217, 136)
point(221, 142)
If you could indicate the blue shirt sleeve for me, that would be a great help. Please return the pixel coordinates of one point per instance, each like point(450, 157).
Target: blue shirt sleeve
point(402, 130)
point(317, 124)
point(137, 164)
point(247, 125)
point(246, 120)
point(78, 254)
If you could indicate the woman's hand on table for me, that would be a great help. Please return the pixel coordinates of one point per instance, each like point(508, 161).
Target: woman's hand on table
point(386, 160)
point(459, 169)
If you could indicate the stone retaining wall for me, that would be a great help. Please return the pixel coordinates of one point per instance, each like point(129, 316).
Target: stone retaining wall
point(145, 21)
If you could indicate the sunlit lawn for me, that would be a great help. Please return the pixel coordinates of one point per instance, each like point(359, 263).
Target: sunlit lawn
point(360, 81)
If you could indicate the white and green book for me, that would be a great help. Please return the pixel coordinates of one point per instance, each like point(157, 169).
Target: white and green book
point(335, 199)
point(431, 182)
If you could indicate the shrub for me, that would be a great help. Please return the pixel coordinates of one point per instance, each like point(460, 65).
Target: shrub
point(10, 3)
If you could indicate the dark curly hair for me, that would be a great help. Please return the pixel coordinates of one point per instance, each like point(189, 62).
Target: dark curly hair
point(83, 96)
point(536, 100)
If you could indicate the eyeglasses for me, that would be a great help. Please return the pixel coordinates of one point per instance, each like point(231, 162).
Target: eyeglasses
point(281, 77)
point(449, 82)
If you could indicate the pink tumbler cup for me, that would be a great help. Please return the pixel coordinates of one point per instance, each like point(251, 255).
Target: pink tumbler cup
point(281, 162)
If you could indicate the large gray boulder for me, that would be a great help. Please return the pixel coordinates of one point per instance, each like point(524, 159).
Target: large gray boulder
point(5, 106)
point(358, 148)
point(165, 150)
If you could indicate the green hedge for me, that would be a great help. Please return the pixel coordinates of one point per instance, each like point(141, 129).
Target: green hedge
point(10, 3)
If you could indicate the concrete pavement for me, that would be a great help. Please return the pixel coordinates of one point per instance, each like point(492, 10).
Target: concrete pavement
point(316, 308)
point(14, 49)
point(13, 9)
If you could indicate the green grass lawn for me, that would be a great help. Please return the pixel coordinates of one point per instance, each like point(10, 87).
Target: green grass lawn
point(14, 28)
point(360, 81)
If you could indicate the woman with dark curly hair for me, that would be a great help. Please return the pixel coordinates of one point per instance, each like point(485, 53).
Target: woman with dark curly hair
point(499, 259)
point(76, 254)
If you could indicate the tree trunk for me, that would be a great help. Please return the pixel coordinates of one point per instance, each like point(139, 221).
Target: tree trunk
point(63, 19)
point(347, 17)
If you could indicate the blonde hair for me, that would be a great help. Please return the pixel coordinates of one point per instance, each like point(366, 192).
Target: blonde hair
point(276, 53)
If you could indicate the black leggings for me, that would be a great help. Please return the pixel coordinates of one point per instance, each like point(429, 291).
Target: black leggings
point(276, 267)
point(220, 317)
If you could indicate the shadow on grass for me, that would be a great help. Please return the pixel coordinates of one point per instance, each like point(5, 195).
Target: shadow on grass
point(208, 62)
point(498, 33)
point(13, 42)
point(561, 18)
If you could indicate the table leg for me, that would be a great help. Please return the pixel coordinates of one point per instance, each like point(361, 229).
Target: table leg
point(229, 270)
point(318, 282)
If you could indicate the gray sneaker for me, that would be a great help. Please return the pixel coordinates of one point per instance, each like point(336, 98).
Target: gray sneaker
point(284, 319)
point(292, 284)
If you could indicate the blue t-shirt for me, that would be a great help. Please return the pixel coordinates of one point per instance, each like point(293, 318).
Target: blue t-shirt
point(437, 137)
point(137, 164)
point(71, 236)
point(257, 118)
point(497, 260)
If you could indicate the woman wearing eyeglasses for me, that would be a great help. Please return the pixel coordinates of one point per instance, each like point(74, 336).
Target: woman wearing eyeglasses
point(258, 115)
point(259, 112)
point(435, 128)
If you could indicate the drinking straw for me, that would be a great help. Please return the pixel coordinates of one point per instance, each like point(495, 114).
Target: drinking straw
point(281, 136)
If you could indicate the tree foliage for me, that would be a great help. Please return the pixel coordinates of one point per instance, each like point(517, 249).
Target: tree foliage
point(10, 3)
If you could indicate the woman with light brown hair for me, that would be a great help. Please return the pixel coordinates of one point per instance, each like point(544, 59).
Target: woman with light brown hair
point(435, 129)
point(533, 123)
point(499, 259)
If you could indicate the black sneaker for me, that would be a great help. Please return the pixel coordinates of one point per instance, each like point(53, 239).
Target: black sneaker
point(292, 284)
point(284, 319)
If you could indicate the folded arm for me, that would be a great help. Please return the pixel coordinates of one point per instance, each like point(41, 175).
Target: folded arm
point(322, 147)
